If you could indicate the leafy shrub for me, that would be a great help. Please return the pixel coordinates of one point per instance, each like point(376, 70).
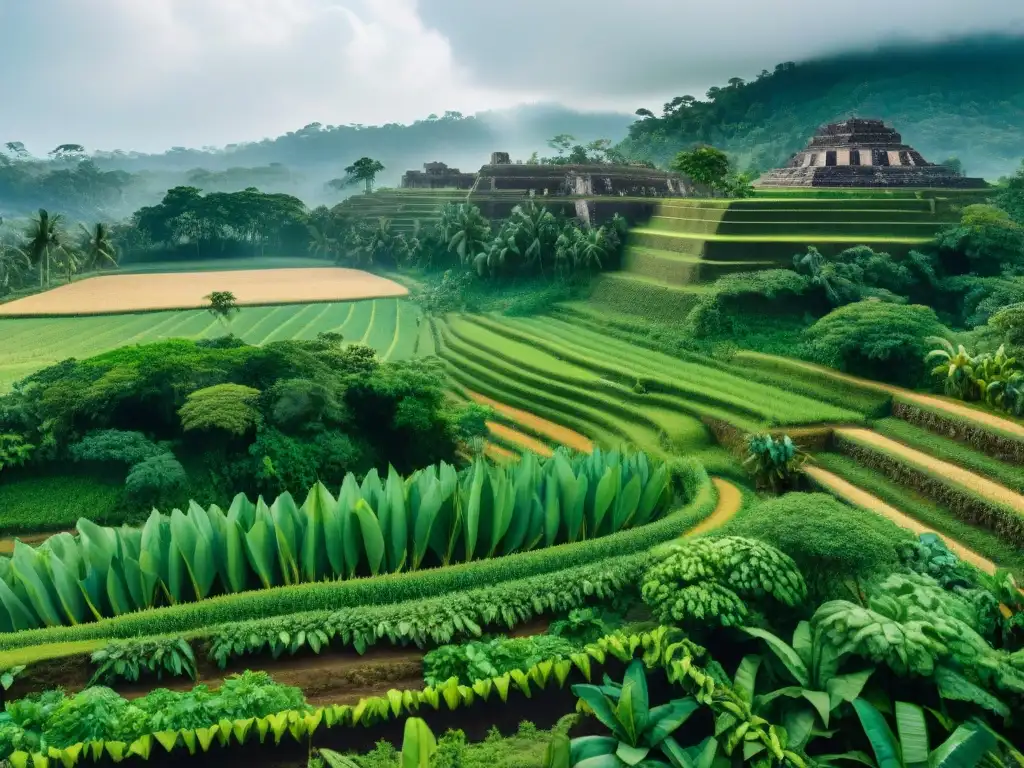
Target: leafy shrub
point(770, 291)
point(115, 445)
point(834, 544)
point(156, 481)
point(986, 242)
point(14, 450)
point(687, 475)
point(478, 660)
point(860, 272)
point(928, 555)
point(130, 659)
point(226, 407)
point(875, 339)
point(773, 461)
point(708, 581)
point(585, 625)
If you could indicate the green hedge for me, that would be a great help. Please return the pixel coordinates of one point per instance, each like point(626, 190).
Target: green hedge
point(999, 445)
point(380, 590)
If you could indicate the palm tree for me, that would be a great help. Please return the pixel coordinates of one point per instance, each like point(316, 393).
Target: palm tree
point(45, 238)
point(97, 248)
point(465, 230)
point(537, 231)
point(381, 241)
point(956, 366)
point(321, 243)
point(592, 246)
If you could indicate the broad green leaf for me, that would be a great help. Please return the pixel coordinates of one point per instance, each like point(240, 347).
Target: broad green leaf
point(471, 512)
point(418, 744)
point(963, 749)
point(913, 733)
point(626, 504)
point(664, 720)
point(746, 677)
point(552, 510)
point(397, 533)
point(426, 514)
point(31, 573)
point(372, 537)
point(883, 743)
point(821, 703)
point(603, 498)
point(847, 687)
point(313, 564)
point(785, 653)
point(587, 747)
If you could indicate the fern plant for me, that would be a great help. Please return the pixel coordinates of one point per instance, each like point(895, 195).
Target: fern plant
point(708, 581)
point(130, 659)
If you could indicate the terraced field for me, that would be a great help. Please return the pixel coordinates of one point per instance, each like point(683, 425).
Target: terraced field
point(391, 326)
point(564, 374)
point(690, 241)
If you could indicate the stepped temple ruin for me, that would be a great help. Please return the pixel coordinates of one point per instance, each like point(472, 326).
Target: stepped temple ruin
point(862, 153)
point(591, 180)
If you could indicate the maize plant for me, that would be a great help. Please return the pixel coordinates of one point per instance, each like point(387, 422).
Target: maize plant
point(437, 516)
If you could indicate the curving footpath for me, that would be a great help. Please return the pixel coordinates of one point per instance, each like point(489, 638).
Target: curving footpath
point(860, 498)
point(522, 441)
point(730, 501)
point(982, 486)
point(555, 432)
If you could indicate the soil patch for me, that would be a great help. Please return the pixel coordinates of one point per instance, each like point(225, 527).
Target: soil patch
point(556, 432)
point(113, 294)
point(514, 437)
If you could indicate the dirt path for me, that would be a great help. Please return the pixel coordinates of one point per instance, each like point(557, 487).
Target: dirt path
point(556, 432)
point(514, 437)
point(730, 500)
point(499, 453)
point(980, 485)
point(951, 407)
point(861, 498)
point(33, 539)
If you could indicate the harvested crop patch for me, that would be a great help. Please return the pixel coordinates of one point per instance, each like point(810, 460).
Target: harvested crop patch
point(115, 294)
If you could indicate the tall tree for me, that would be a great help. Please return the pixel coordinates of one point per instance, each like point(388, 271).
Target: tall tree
point(44, 240)
point(364, 170)
point(97, 247)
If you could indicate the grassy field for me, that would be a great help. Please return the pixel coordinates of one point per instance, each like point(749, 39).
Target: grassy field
point(27, 345)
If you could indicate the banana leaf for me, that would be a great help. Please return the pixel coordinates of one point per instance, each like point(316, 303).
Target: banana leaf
point(351, 538)
point(626, 504)
point(29, 568)
point(261, 547)
point(552, 511)
point(371, 534)
point(284, 514)
point(334, 544)
point(20, 615)
point(471, 513)
point(314, 544)
point(396, 535)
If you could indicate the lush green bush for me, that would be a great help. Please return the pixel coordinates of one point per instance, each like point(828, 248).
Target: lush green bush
point(708, 581)
point(986, 242)
point(832, 543)
point(687, 476)
point(131, 659)
point(858, 273)
point(155, 482)
point(735, 298)
point(115, 445)
point(876, 339)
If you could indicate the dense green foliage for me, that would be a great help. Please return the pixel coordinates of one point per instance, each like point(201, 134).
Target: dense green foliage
point(97, 713)
point(373, 527)
point(773, 461)
point(131, 659)
point(252, 419)
point(875, 339)
point(709, 581)
point(831, 542)
point(482, 659)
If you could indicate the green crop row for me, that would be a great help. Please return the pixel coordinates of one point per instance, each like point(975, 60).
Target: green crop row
point(433, 517)
point(825, 223)
point(777, 372)
point(850, 216)
point(639, 296)
point(380, 590)
point(729, 394)
point(506, 343)
point(984, 542)
point(952, 451)
point(963, 502)
point(663, 648)
point(641, 421)
point(40, 503)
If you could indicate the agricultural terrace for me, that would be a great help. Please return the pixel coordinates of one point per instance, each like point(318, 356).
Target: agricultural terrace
point(112, 294)
point(390, 325)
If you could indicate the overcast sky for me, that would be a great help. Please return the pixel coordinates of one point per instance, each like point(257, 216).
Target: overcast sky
point(150, 74)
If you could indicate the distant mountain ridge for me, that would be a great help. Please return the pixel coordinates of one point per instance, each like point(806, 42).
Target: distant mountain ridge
point(962, 98)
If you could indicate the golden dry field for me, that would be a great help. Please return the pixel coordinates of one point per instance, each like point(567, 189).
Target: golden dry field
point(117, 294)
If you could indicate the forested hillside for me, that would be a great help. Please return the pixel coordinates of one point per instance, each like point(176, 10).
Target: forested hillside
point(963, 99)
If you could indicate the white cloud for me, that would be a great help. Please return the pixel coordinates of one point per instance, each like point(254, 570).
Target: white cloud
point(156, 73)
